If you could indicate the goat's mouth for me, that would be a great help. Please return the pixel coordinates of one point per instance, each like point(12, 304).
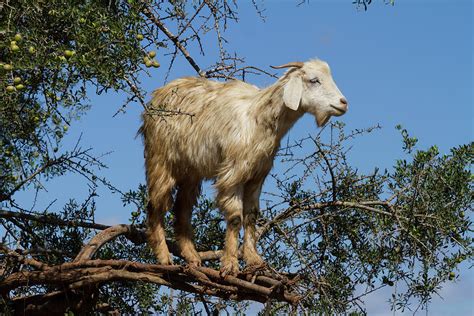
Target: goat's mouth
point(339, 110)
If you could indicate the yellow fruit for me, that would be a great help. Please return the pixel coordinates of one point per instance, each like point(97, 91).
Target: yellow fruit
point(152, 54)
point(69, 53)
point(14, 48)
point(31, 50)
point(7, 67)
point(140, 37)
point(20, 87)
point(156, 64)
point(65, 128)
point(10, 89)
point(148, 63)
point(17, 37)
point(16, 80)
point(13, 43)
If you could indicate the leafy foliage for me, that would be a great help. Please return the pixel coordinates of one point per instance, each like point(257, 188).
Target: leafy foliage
point(406, 227)
point(345, 233)
point(51, 54)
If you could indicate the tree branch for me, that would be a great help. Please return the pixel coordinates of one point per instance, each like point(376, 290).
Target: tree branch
point(51, 219)
point(293, 210)
point(175, 39)
point(201, 280)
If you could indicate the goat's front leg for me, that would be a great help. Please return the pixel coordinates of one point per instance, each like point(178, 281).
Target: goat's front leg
point(231, 202)
point(251, 210)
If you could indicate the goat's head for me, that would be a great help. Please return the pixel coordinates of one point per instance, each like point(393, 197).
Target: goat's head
point(311, 88)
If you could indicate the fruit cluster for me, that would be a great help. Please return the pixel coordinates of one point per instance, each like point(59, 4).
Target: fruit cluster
point(149, 60)
point(16, 82)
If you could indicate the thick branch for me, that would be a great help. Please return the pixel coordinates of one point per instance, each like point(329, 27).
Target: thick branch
point(201, 280)
point(22, 258)
point(100, 239)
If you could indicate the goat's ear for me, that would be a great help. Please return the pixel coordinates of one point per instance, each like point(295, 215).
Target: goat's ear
point(293, 92)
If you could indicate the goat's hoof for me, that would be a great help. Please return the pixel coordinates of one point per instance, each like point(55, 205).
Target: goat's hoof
point(229, 268)
point(192, 258)
point(253, 260)
point(166, 261)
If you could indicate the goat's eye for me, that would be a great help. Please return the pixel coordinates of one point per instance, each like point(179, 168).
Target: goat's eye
point(315, 80)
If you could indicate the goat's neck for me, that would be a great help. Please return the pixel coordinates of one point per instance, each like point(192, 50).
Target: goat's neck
point(272, 114)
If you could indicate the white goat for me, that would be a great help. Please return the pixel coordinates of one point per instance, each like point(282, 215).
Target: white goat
point(233, 136)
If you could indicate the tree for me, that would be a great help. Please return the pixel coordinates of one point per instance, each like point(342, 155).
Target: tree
point(330, 233)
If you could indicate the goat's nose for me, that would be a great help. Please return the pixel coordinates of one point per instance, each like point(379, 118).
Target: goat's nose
point(344, 104)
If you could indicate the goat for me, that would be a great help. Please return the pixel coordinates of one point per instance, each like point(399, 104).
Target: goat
point(232, 137)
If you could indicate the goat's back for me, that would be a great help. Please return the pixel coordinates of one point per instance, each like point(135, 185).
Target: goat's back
point(193, 94)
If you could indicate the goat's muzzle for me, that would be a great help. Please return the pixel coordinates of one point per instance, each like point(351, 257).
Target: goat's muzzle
point(341, 108)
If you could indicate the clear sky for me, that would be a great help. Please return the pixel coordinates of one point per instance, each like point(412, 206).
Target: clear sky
point(409, 64)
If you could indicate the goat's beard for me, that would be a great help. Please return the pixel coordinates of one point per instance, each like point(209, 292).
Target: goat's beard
point(322, 119)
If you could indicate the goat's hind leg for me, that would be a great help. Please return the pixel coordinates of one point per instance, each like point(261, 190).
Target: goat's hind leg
point(185, 199)
point(160, 201)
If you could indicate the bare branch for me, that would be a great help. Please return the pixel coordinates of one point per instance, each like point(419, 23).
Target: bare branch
point(51, 219)
point(149, 14)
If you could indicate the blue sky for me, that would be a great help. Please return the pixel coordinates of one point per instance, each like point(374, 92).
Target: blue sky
point(408, 64)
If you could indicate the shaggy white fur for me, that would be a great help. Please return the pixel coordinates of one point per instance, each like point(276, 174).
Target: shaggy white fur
point(232, 137)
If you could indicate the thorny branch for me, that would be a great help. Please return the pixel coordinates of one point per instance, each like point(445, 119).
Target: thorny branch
point(220, 13)
point(50, 219)
point(148, 13)
point(76, 160)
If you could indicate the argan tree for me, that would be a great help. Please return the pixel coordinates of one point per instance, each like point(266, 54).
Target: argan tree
point(329, 233)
